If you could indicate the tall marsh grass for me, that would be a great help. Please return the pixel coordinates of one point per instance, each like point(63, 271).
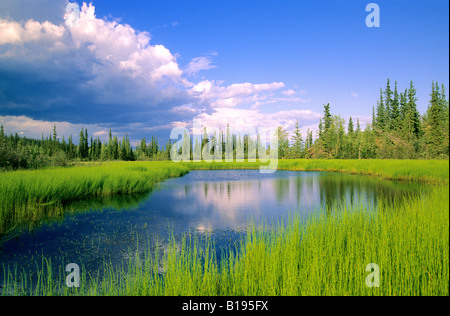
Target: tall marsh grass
point(326, 255)
point(428, 171)
point(30, 196)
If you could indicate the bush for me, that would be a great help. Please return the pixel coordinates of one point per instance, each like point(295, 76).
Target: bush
point(59, 159)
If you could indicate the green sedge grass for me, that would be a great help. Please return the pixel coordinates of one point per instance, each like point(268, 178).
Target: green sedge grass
point(324, 255)
point(30, 196)
point(427, 171)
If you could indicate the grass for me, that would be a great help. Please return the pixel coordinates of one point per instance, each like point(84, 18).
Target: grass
point(32, 196)
point(325, 256)
point(427, 171)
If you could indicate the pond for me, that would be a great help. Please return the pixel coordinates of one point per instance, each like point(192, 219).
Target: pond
point(219, 204)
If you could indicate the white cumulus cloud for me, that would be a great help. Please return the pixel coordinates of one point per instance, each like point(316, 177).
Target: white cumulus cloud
point(102, 72)
point(198, 64)
point(235, 94)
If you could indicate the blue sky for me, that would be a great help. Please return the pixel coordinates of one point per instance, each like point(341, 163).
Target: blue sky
point(248, 62)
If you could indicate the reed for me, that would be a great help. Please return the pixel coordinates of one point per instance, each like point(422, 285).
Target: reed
point(32, 196)
point(428, 171)
point(324, 255)
point(28, 197)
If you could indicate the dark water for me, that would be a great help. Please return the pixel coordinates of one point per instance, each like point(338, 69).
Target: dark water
point(219, 204)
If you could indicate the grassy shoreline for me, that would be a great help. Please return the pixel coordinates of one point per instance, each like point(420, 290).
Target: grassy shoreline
point(426, 171)
point(409, 241)
point(35, 195)
point(324, 256)
point(32, 196)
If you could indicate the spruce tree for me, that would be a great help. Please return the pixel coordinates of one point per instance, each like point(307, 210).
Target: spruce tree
point(388, 105)
point(143, 148)
point(92, 150)
point(413, 116)
point(374, 119)
point(445, 120)
point(350, 141)
point(350, 126)
point(3, 150)
point(297, 148)
point(327, 134)
point(358, 134)
point(381, 113)
point(55, 134)
point(403, 108)
point(283, 142)
point(308, 143)
point(86, 144)
point(435, 129)
point(395, 110)
point(81, 153)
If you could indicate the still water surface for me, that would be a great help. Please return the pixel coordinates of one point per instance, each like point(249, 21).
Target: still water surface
point(219, 204)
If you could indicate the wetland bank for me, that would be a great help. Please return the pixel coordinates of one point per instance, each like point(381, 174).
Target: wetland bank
point(313, 232)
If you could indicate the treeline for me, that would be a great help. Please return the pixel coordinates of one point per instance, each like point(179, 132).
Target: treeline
point(25, 153)
point(397, 131)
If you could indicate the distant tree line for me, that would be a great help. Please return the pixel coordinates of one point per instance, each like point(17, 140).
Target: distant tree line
point(397, 131)
point(25, 153)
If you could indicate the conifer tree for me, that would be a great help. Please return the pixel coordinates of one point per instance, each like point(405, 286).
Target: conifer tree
point(435, 133)
point(395, 110)
point(86, 144)
point(381, 114)
point(283, 142)
point(81, 143)
point(297, 139)
point(412, 119)
point(387, 105)
point(327, 132)
point(350, 126)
